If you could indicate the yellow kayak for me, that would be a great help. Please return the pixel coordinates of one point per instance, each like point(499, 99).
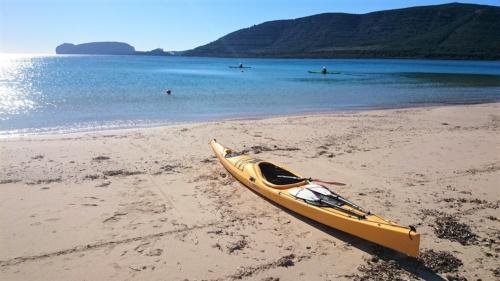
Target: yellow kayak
point(315, 201)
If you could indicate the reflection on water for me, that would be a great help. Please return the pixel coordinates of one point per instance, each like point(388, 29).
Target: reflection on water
point(16, 93)
point(454, 79)
point(75, 93)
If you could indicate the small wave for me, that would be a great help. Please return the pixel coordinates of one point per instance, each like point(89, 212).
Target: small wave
point(85, 127)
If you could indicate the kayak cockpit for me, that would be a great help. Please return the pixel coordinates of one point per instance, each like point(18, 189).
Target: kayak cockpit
point(277, 177)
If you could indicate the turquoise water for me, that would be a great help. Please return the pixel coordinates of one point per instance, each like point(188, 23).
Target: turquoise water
point(75, 93)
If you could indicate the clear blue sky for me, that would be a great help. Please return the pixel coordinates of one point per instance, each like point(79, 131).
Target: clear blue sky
point(38, 26)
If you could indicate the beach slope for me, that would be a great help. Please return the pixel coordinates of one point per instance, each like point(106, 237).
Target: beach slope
point(154, 204)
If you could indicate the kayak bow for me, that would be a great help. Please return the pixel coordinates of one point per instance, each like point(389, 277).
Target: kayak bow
point(315, 201)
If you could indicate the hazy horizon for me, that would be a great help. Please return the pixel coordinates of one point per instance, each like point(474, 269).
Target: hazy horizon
point(32, 26)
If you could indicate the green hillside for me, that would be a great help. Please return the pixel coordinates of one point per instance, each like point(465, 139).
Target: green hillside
point(462, 31)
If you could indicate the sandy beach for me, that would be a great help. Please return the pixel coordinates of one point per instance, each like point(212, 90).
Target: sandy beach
point(154, 204)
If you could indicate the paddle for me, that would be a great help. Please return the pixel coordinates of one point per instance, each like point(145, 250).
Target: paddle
point(332, 194)
point(339, 198)
point(320, 200)
point(311, 179)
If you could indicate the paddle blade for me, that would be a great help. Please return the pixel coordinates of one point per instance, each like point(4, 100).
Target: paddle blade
point(304, 194)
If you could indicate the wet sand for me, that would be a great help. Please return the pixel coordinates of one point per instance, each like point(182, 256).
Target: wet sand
point(154, 204)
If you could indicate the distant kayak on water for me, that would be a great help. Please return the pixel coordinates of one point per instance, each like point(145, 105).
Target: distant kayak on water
point(240, 65)
point(322, 72)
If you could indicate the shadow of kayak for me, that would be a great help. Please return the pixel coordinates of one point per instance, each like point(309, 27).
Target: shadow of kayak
point(409, 264)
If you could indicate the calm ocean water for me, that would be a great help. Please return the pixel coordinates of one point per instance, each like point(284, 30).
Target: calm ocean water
point(76, 93)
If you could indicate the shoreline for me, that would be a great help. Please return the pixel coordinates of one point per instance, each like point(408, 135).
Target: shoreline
point(49, 132)
point(265, 57)
point(154, 203)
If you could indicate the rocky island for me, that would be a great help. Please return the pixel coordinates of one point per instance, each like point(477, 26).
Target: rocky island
point(106, 48)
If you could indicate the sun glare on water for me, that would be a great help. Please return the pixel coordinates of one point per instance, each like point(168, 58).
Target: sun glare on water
point(16, 89)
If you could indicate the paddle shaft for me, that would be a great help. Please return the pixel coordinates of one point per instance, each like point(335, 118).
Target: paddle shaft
point(334, 195)
point(342, 199)
point(321, 202)
point(343, 209)
point(311, 179)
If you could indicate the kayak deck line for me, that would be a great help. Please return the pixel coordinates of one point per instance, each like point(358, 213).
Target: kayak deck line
point(240, 164)
point(284, 187)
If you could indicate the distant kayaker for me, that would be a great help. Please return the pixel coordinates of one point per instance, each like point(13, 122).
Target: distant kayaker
point(324, 71)
point(168, 92)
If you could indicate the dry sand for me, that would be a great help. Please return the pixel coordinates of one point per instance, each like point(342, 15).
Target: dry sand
point(153, 204)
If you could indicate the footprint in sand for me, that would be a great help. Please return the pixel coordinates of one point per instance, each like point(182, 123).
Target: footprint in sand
point(103, 184)
point(154, 252)
point(115, 217)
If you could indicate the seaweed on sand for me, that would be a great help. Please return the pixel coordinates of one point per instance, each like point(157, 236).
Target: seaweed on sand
point(377, 269)
point(440, 261)
point(448, 227)
point(388, 266)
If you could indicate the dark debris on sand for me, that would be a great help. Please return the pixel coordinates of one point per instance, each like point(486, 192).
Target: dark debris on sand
point(121, 172)
point(286, 261)
point(492, 218)
point(496, 272)
point(271, 279)
point(465, 200)
point(209, 160)
point(237, 246)
point(478, 204)
point(381, 270)
point(440, 261)
point(92, 177)
point(44, 181)
point(424, 213)
point(101, 158)
point(9, 181)
point(170, 168)
point(448, 227)
point(256, 149)
point(455, 278)
point(389, 266)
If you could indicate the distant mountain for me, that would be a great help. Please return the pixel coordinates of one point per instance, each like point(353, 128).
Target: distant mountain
point(462, 31)
point(106, 48)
